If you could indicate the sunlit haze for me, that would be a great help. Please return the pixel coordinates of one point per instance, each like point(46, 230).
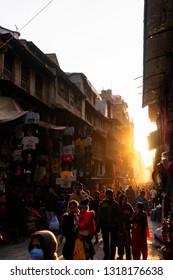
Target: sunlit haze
point(101, 38)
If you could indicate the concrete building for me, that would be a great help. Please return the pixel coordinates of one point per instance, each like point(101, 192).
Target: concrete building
point(158, 96)
point(35, 83)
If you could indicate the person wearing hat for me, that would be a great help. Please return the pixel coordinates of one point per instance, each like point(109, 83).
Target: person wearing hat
point(43, 246)
point(87, 227)
point(108, 220)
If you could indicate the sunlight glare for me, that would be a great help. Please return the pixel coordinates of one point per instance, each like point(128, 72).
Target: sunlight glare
point(142, 128)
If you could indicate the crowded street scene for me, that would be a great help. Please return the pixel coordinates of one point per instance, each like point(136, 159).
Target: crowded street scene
point(67, 230)
point(86, 169)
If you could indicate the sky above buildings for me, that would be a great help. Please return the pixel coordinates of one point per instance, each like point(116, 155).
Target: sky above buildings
point(101, 38)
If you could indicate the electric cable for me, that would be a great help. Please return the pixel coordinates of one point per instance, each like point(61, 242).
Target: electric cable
point(27, 23)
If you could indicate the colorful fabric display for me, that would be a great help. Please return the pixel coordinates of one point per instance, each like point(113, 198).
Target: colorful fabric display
point(67, 158)
point(66, 174)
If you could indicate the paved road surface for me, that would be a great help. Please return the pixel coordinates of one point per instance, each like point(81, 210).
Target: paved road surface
point(20, 252)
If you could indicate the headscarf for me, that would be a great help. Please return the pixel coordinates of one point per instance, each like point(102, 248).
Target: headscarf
point(48, 243)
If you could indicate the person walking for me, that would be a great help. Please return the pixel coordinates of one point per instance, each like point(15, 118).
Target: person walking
point(69, 227)
point(78, 194)
point(43, 246)
point(124, 242)
point(153, 196)
point(51, 205)
point(130, 194)
point(108, 221)
point(94, 206)
point(87, 227)
point(102, 194)
point(117, 195)
point(140, 233)
point(141, 198)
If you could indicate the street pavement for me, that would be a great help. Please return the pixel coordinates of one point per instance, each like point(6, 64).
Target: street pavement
point(20, 251)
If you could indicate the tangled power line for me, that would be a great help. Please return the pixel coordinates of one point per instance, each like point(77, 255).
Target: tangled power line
point(35, 15)
point(27, 23)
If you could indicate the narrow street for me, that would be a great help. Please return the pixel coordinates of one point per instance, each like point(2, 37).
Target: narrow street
point(20, 252)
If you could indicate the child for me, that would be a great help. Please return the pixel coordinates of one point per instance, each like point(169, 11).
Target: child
point(140, 233)
point(87, 227)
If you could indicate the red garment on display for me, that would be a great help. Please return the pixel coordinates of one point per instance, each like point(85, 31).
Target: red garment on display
point(67, 158)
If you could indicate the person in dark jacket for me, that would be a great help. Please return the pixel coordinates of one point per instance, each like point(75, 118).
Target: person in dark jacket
point(126, 212)
point(51, 205)
point(78, 194)
point(69, 227)
point(141, 198)
point(94, 206)
point(130, 194)
point(43, 246)
point(108, 220)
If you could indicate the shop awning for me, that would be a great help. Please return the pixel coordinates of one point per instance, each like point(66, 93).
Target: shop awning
point(9, 109)
point(101, 178)
point(51, 126)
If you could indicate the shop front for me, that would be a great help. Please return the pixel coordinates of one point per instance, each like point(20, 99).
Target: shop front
point(28, 149)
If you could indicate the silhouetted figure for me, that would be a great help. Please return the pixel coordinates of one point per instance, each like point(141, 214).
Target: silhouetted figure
point(108, 220)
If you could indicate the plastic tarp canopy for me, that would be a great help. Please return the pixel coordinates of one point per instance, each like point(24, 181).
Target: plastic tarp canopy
point(9, 109)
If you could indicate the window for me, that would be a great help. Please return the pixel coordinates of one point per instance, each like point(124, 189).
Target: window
point(8, 66)
point(38, 86)
point(25, 77)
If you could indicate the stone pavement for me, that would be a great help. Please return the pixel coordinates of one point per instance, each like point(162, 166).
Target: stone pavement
point(20, 251)
point(154, 246)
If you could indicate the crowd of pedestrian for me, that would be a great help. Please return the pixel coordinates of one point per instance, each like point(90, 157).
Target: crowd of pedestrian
point(120, 217)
